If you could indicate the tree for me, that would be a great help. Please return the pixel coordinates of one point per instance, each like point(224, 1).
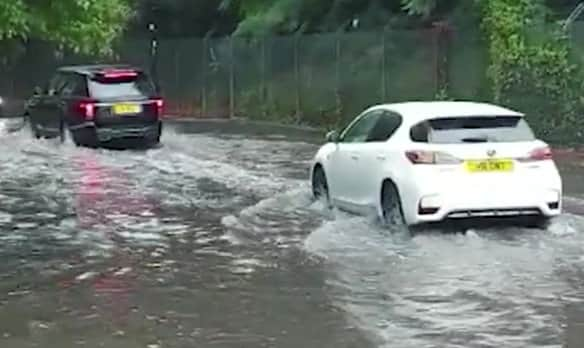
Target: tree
point(419, 7)
point(180, 18)
point(263, 16)
point(87, 26)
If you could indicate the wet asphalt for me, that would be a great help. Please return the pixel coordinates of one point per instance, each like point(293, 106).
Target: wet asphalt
point(212, 240)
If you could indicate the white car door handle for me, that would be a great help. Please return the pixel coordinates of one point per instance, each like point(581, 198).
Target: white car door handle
point(355, 157)
point(381, 157)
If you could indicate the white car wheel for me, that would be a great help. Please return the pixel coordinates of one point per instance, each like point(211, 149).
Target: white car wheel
point(538, 222)
point(320, 185)
point(391, 205)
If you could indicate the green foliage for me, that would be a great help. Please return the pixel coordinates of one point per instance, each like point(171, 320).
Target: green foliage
point(532, 73)
point(419, 7)
point(530, 68)
point(83, 25)
point(263, 18)
point(259, 17)
point(442, 94)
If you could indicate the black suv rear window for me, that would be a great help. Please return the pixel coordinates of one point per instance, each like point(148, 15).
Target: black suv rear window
point(130, 86)
point(476, 129)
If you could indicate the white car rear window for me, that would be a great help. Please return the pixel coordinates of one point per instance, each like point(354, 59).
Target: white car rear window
point(475, 129)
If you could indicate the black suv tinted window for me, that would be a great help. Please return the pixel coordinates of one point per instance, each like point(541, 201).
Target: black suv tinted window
point(455, 130)
point(75, 86)
point(134, 86)
point(56, 83)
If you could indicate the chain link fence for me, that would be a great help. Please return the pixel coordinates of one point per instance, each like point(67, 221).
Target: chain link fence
point(318, 79)
point(329, 78)
point(310, 79)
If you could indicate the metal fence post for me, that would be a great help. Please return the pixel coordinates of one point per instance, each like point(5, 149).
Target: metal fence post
point(231, 78)
point(154, 55)
point(436, 49)
point(383, 65)
point(441, 34)
point(447, 33)
point(263, 72)
point(205, 66)
point(177, 80)
point(338, 97)
point(297, 77)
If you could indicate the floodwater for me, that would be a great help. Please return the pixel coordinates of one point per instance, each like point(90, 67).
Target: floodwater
point(213, 240)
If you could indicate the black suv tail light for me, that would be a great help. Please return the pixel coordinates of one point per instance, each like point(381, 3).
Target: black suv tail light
point(86, 109)
point(159, 104)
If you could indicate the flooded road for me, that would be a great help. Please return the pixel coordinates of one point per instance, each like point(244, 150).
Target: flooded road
point(213, 241)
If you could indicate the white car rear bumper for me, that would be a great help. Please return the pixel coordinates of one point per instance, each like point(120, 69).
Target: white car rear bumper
point(479, 203)
point(454, 197)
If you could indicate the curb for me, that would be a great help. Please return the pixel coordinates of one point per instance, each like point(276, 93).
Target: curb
point(246, 121)
point(560, 151)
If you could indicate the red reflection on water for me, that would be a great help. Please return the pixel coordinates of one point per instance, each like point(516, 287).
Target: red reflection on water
point(104, 193)
point(113, 292)
point(91, 193)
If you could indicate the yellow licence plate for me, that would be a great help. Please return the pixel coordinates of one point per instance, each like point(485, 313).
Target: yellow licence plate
point(478, 166)
point(124, 109)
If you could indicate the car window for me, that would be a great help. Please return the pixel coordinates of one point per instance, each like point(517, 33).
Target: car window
point(387, 124)
point(139, 86)
point(56, 83)
point(359, 131)
point(454, 130)
point(78, 85)
point(71, 85)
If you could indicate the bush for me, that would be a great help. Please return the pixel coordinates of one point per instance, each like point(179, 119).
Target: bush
point(533, 73)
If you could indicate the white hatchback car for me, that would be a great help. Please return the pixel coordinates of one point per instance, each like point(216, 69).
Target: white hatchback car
point(422, 162)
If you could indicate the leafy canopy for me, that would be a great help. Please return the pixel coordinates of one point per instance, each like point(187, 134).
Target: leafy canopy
point(262, 16)
point(82, 25)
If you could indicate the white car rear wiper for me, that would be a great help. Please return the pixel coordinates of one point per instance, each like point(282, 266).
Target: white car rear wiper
point(475, 140)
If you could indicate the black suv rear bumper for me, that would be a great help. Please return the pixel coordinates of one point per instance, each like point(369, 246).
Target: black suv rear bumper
point(104, 134)
point(146, 132)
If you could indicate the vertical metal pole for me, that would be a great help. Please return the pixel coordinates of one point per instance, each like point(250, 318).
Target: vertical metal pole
point(383, 66)
point(205, 66)
point(177, 69)
point(263, 70)
point(447, 51)
point(441, 34)
point(338, 98)
point(154, 55)
point(436, 45)
point(297, 77)
point(231, 78)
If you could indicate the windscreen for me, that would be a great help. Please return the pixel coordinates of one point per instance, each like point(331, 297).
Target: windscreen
point(476, 129)
point(133, 86)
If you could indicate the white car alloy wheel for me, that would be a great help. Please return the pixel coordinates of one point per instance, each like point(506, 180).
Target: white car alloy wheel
point(391, 205)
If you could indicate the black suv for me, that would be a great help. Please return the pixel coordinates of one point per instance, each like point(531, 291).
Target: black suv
point(97, 104)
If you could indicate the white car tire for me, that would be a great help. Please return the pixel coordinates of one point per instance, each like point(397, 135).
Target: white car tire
point(539, 222)
point(320, 186)
point(391, 207)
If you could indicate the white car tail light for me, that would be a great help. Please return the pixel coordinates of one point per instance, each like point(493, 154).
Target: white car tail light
point(539, 154)
point(431, 157)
